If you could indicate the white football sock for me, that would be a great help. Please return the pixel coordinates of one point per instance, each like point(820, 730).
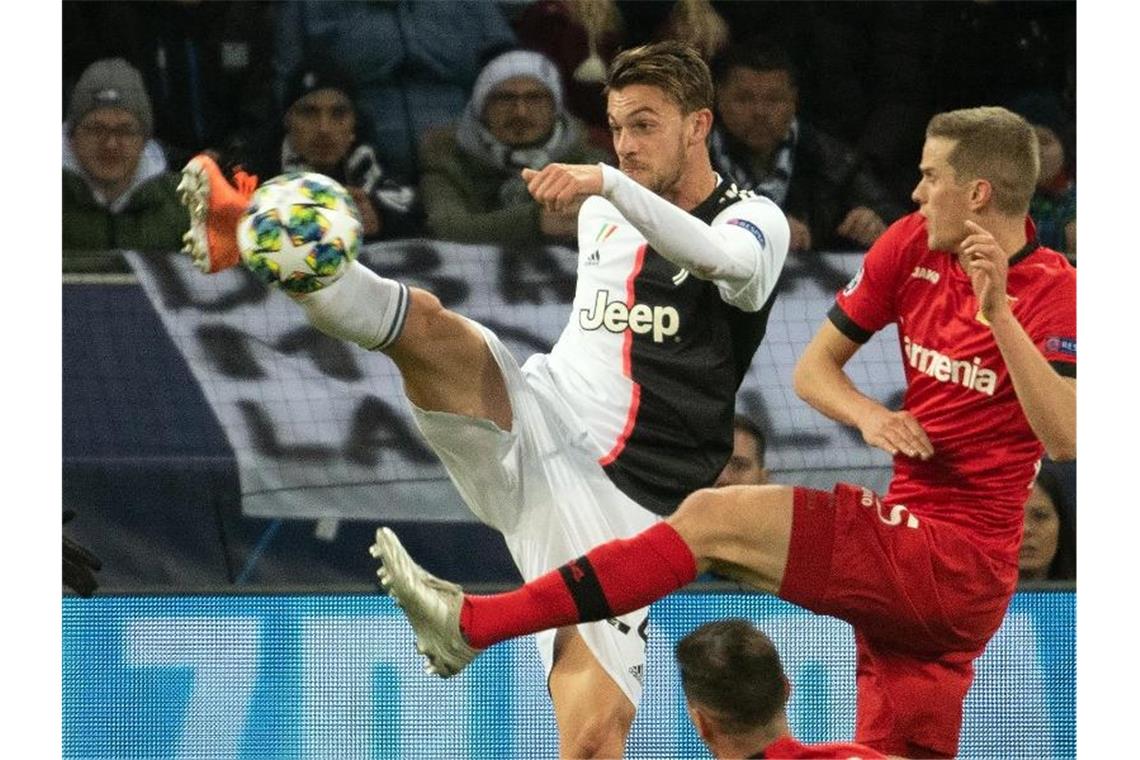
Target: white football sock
point(361, 307)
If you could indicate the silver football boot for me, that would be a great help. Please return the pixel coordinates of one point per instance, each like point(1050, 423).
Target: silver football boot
point(431, 605)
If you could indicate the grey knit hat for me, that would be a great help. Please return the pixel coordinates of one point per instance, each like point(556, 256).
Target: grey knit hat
point(111, 83)
point(516, 63)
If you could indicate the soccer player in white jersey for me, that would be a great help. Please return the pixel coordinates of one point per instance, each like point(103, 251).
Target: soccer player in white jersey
point(632, 409)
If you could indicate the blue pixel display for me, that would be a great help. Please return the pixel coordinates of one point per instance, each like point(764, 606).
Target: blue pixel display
point(338, 677)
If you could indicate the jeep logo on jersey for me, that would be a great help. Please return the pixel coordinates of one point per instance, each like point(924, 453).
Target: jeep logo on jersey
point(641, 319)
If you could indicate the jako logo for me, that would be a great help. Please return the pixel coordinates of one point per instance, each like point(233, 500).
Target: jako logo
point(942, 368)
point(641, 319)
point(925, 274)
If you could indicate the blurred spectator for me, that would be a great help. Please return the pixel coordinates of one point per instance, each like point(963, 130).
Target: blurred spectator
point(590, 33)
point(206, 65)
point(117, 193)
point(746, 464)
point(471, 184)
point(413, 62)
point(1054, 205)
point(321, 134)
point(866, 79)
point(827, 190)
point(1049, 544)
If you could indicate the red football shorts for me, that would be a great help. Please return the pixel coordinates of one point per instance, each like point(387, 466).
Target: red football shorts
point(922, 597)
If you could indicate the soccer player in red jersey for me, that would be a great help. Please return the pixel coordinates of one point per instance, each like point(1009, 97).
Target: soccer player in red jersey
point(987, 328)
point(736, 692)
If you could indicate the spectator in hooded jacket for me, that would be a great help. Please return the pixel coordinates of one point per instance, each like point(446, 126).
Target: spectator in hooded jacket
point(117, 192)
point(471, 183)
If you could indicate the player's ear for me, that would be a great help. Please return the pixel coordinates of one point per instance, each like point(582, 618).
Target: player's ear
point(700, 124)
point(981, 194)
point(700, 721)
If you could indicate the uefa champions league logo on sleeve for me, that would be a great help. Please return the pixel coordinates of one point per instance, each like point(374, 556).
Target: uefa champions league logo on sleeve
point(858, 278)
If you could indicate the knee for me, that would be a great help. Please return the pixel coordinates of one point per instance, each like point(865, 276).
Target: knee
point(703, 516)
point(714, 520)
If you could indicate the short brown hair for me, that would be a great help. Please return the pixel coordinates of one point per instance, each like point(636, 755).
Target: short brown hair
point(674, 67)
point(996, 145)
point(732, 669)
point(749, 427)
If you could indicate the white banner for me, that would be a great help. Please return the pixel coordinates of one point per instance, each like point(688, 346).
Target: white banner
point(321, 429)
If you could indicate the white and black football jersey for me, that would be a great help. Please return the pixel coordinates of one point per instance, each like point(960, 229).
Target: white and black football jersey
point(653, 354)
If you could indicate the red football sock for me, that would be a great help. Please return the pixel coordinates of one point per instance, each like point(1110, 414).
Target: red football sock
point(612, 579)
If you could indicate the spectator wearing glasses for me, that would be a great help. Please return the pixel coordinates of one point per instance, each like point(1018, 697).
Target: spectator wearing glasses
point(471, 185)
point(117, 192)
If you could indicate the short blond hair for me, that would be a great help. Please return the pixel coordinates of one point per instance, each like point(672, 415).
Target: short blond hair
point(996, 145)
point(674, 67)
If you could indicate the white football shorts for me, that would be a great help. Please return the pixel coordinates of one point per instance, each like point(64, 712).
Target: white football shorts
point(541, 486)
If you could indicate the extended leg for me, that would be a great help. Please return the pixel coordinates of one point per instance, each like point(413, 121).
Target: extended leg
point(442, 357)
point(743, 532)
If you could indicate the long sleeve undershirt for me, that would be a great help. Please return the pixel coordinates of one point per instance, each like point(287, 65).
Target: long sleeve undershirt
point(728, 254)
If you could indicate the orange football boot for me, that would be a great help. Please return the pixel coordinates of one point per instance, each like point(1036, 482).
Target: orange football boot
point(215, 205)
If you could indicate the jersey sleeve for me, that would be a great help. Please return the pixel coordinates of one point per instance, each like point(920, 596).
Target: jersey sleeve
point(1054, 330)
point(758, 233)
point(867, 303)
point(743, 252)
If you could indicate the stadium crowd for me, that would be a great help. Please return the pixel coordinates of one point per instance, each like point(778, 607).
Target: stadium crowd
point(414, 106)
point(427, 111)
point(457, 121)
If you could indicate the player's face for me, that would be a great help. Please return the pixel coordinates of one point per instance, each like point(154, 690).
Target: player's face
point(757, 107)
point(519, 112)
point(322, 127)
point(941, 198)
point(1039, 543)
point(743, 468)
point(108, 142)
point(652, 138)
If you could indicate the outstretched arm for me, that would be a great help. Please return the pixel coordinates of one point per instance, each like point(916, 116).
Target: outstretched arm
point(730, 254)
point(820, 380)
point(1048, 399)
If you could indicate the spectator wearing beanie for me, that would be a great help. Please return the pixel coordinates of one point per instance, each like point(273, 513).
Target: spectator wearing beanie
point(471, 185)
point(117, 192)
point(321, 126)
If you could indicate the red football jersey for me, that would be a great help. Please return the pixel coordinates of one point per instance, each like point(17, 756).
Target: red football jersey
point(788, 748)
point(957, 384)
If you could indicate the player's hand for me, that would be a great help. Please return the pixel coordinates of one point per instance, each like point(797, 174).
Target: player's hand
point(557, 187)
point(988, 266)
point(896, 433)
point(861, 225)
point(801, 236)
point(369, 219)
point(561, 224)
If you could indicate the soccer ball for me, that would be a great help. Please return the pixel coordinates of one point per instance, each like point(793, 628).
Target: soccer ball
point(299, 232)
